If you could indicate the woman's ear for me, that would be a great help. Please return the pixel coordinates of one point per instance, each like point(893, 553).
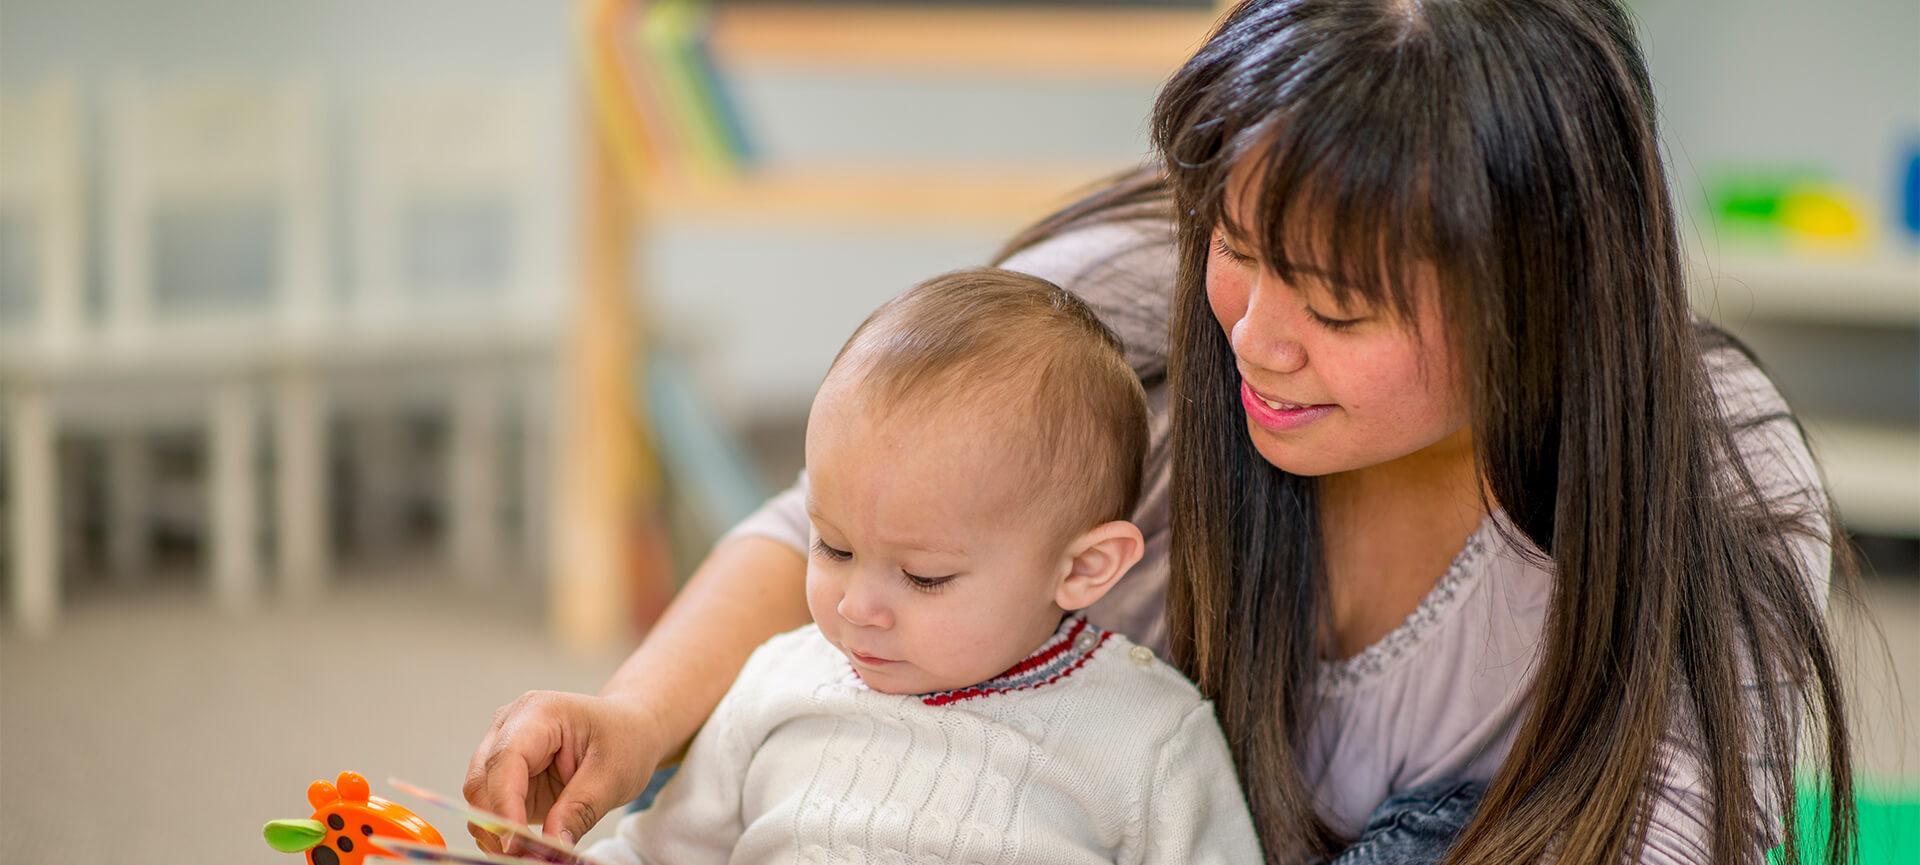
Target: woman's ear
point(1096, 561)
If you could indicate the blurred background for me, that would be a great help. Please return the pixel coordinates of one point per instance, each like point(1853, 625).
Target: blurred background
point(365, 364)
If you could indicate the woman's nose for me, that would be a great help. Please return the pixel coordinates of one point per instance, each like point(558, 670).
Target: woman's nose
point(861, 605)
point(1263, 336)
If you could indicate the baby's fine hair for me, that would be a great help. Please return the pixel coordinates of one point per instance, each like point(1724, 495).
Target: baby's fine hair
point(1033, 354)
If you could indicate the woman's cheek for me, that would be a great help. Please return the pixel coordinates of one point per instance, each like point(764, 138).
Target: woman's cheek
point(1402, 395)
point(1227, 295)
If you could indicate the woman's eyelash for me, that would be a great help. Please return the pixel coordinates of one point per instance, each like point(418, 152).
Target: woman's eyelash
point(925, 584)
point(1220, 243)
point(1334, 324)
point(820, 548)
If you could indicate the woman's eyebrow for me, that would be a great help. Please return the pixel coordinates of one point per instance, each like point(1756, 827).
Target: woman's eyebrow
point(1240, 240)
point(1232, 230)
point(1311, 271)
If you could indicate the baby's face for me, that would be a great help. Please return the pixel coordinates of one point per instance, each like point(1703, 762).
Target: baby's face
point(926, 569)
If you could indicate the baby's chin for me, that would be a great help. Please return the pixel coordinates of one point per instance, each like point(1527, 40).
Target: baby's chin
point(903, 683)
point(885, 683)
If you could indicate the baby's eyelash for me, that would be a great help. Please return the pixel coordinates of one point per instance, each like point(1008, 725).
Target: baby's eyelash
point(926, 584)
point(821, 549)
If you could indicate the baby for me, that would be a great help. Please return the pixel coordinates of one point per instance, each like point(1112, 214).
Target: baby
point(972, 457)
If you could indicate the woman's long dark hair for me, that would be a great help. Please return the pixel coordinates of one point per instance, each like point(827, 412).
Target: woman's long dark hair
point(1509, 145)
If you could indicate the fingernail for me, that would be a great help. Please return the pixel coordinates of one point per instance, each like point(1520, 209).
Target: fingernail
point(567, 837)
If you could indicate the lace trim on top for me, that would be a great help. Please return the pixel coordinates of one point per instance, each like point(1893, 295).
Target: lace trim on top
point(1375, 659)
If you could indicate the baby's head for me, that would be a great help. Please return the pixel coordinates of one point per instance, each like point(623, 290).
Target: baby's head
point(973, 456)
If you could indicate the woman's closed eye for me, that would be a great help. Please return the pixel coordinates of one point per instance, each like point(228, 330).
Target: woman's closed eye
point(1336, 325)
point(1237, 257)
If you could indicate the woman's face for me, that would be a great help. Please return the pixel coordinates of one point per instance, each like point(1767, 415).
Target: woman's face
point(1325, 388)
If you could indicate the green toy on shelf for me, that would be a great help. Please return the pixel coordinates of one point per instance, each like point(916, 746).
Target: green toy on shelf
point(1797, 210)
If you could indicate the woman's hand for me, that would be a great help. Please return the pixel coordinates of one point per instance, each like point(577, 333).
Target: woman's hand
point(562, 760)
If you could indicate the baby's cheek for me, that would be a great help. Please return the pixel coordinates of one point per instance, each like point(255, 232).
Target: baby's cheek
point(957, 642)
point(822, 596)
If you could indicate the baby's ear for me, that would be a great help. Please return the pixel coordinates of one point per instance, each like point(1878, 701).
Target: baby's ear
point(1097, 560)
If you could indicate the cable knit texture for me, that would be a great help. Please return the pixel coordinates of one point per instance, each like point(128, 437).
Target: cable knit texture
point(1108, 756)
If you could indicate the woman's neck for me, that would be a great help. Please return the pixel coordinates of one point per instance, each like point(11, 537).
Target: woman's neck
point(1388, 533)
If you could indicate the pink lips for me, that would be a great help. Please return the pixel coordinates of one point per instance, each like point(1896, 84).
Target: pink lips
point(870, 660)
point(1279, 419)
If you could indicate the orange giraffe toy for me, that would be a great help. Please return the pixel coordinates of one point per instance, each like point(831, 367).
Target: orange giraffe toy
point(347, 819)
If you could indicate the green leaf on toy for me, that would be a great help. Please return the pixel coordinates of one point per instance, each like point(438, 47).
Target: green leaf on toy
point(295, 836)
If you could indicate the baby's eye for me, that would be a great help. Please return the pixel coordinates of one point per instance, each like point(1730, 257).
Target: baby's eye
point(821, 549)
point(926, 584)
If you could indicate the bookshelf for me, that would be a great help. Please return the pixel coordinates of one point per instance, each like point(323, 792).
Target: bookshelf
point(1070, 41)
point(607, 573)
point(1872, 466)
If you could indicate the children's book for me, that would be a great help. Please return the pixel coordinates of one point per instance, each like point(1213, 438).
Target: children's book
point(529, 846)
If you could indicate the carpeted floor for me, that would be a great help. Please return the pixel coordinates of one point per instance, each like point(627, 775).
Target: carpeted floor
point(151, 728)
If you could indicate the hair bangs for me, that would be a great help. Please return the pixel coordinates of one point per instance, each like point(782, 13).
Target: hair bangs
point(1339, 188)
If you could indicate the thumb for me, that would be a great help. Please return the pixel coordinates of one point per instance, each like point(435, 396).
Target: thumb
point(588, 796)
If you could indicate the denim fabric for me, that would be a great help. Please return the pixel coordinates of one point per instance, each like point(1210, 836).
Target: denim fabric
point(1415, 827)
point(660, 778)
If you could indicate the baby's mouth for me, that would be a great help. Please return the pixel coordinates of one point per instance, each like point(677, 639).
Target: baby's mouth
point(869, 660)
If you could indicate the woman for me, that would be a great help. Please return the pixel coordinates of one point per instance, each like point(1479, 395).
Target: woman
point(1484, 549)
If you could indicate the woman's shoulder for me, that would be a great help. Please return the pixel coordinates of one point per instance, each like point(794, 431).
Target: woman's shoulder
point(1124, 269)
point(1742, 387)
point(1768, 437)
point(1769, 441)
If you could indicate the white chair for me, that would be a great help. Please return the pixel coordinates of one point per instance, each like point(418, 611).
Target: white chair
point(218, 264)
point(41, 311)
point(458, 202)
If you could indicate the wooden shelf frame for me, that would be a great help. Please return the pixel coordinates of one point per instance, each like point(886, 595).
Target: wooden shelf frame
point(1056, 41)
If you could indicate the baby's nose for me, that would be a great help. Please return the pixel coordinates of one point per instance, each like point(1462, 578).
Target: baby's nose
point(863, 607)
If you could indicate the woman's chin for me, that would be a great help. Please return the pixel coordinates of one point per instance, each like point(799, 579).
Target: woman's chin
point(1292, 457)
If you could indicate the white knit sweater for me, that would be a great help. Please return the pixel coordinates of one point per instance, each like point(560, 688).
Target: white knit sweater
point(1092, 750)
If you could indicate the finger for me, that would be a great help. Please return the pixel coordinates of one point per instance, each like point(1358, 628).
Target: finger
point(474, 788)
point(523, 747)
point(487, 841)
point(506, 791)
point(475, 785)
point(595, 789)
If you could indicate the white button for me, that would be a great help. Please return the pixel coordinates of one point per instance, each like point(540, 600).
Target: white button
point(1085, 641)
point(1141, 655)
